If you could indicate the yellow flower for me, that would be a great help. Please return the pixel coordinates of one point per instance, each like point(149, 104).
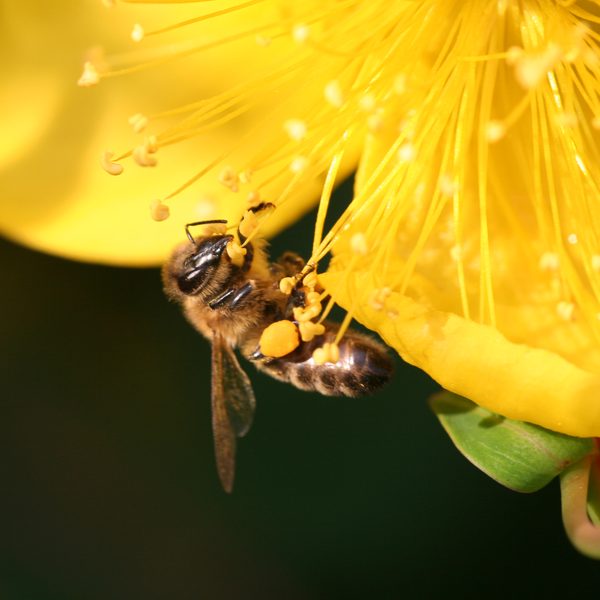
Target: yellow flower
point(472, 242)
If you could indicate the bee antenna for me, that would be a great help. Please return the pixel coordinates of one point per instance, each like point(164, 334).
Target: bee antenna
point(209, 222)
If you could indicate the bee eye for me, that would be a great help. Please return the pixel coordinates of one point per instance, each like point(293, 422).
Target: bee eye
point(198, 266)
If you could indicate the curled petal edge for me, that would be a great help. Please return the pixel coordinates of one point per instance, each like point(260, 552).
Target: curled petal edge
point(476, 361)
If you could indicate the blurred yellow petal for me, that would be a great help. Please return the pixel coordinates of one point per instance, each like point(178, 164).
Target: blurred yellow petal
point(55, 195)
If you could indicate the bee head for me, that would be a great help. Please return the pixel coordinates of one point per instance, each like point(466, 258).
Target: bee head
point(196, 266)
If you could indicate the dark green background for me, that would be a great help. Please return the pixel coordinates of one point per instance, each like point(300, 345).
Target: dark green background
point(109, 488)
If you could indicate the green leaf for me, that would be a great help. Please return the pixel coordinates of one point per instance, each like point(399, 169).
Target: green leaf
point(519, 455)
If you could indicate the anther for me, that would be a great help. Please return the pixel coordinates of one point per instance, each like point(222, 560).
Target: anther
point(142, 155)
point(300, 33)
point(138, 122)
point(229, 178)
point(112, 168)
point(400, 84)
point(530, 70)
point(333, 93)
point(596, 262)
point(327, 353)
point(406, 152)
point(236, 253)
point(565, 310)
point(287, 285)
point(296, 129)
point(549, 262)
point(447, 186)
point(494, 131)
point(137, 33)
point(159, 211)
point(358, 243)
point(89, 77)
point(298, 164)
point(308, 330)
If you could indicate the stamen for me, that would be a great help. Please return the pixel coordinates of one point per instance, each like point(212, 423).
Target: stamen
point(159, 211)
point(229, 178)
point(549, 261)
point(308, 330)
point(137, 33)
point(327, 353)
point(494, 131)
point(358, 243)
point(300, 33)
point(112, 168)
point(333, 93)
point(236, 253)
point(138, 122)
point(296, 129)
point(565, 310)
point(89, 77)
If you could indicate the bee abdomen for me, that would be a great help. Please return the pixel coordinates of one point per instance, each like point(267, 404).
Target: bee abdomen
point(363, 367)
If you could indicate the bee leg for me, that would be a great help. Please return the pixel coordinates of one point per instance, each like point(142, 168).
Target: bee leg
point(232, 297)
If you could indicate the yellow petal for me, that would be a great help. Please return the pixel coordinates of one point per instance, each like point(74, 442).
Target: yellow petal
point(55, 195)
point(478, 362)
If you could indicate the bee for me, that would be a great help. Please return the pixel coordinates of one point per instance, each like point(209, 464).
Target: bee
point(231, 302)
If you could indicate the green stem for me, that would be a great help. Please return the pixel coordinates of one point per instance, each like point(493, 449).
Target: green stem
point(574, 486)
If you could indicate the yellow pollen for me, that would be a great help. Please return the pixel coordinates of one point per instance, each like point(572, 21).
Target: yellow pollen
point(456, 253)
point(313, 298)
point(236, 253)
point(279, 338)
point(112, 168)
point(549, 261)
point(286, 285)
point(306, 314)
point(137, 33)
point(596, 122)
point(138, 122)
point(572, 238)
point(333, 93)
point(327, 353)
point(565, 310)
point(296, 129)
point(253, 197)
point(109, 3)
point(89, 77)
point(248, 224)
point(159, 211)
point(494, 131)
point(310, 280)
point(596, 262)
point(300, 33)
point(501, 7)
point(308, 330)
point(358, 243)
point(229, 178)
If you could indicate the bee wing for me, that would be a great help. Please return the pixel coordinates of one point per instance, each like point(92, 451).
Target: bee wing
point(233, 405)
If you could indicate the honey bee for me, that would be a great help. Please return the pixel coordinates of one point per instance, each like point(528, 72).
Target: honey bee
point(231, 302)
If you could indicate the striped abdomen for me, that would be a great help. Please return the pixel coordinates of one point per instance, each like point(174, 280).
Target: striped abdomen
point(364, 366)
